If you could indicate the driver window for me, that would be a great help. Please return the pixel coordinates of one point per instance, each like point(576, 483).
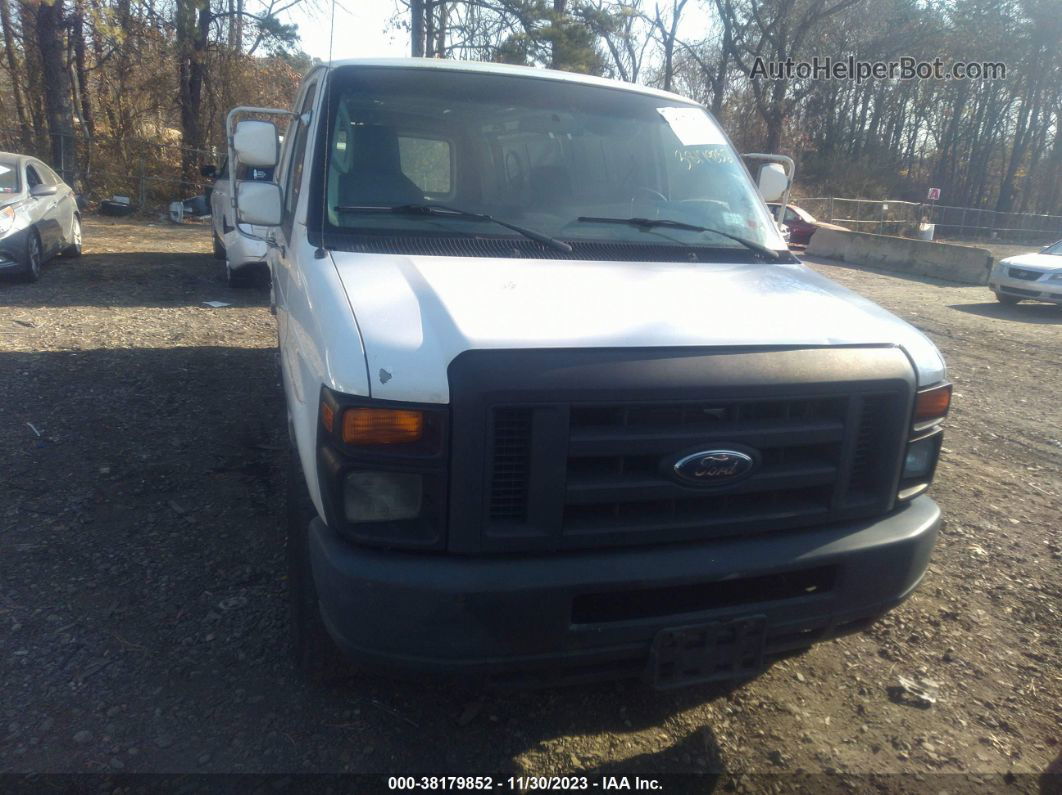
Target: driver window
point(293, 175)
point(32, 177)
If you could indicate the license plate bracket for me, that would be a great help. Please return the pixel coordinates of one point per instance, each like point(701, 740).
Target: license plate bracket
point(707, 652)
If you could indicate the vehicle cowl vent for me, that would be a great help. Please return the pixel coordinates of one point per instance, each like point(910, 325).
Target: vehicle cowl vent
point(507, 248)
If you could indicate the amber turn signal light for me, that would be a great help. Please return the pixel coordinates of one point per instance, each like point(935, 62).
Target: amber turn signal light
point(932, 404)
point(328, 416)
point(382, 426)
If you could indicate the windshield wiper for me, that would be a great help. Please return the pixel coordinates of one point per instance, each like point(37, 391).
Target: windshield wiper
point(443, 211)
point(649, 223)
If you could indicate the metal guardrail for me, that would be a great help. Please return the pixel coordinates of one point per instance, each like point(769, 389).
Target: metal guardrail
point(889, 216)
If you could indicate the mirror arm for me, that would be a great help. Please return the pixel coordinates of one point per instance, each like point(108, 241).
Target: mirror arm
point(230, 131)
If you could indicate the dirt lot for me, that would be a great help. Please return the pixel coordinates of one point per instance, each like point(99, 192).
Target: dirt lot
point(142, 612)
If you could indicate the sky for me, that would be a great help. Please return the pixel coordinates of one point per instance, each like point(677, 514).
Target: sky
point(359, 29)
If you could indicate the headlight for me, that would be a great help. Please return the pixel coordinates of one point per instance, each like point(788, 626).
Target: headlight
point(920, 461)
point(382, 469)
point(920, 458)
point(7, 220)
point(382, 496)
point(1055, 277)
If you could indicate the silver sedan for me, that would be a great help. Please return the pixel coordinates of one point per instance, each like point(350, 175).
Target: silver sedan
point(1037, 277)
point(39, 217)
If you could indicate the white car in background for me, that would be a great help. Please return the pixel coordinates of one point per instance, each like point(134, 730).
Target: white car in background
point(244, 256)
point(38, 216)
point(1036, 277)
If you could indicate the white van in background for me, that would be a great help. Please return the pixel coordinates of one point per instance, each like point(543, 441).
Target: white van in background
point(243, 251)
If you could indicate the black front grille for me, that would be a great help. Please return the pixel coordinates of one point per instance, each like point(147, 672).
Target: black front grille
point(511, 464)
point(555, 450)
point(619, 457)
point(1021, 273)
point(871, 436)
point(819, 458)
point(619, 464)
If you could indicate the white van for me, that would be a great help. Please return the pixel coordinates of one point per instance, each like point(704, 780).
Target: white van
point(561, 401)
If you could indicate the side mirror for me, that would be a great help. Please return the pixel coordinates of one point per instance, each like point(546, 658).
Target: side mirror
point(208, 170)
point(258, 203)
point(39, 191)
point(257, 143)
point(773, 182)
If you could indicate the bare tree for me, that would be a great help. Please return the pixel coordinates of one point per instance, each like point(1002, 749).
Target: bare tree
point(57, 87)
point(668, 33)
point(624, 30)
point(774, 31)
point(13, 72)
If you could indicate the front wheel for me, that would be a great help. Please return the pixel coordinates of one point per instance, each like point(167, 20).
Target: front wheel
point(315, 654)
point(236, 278)
point(1009, 300)
point(74, 249)
point(31, 260)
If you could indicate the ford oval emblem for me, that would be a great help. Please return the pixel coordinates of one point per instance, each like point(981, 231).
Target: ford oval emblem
point(714, 467)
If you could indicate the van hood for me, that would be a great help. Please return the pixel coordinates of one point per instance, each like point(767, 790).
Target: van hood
point(417, 313)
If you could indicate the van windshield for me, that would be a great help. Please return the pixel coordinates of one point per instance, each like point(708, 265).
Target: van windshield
point(548, 155)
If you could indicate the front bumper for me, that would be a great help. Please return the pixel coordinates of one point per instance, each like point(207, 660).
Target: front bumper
point(1042, 289)
point(243, 251)
point(448, 613)
point(12, 246)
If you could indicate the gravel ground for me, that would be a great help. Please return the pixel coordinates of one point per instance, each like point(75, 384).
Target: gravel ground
point(142, 605)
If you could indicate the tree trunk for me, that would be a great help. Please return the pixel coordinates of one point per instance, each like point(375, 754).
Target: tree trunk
point(429, 28)
point(560, 8)
point(34, 91)
point(440, 29)
point(720, 79)
point(193, 25)
point(775, 118)
point(78, 34)
point(1029, 110)
point(416, 28)
point(12, 66)
point(57, 89)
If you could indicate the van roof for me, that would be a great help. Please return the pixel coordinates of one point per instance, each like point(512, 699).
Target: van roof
point(506, 69)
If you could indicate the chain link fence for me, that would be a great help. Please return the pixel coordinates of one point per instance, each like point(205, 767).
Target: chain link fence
point(902, 218)
point(146, 170)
